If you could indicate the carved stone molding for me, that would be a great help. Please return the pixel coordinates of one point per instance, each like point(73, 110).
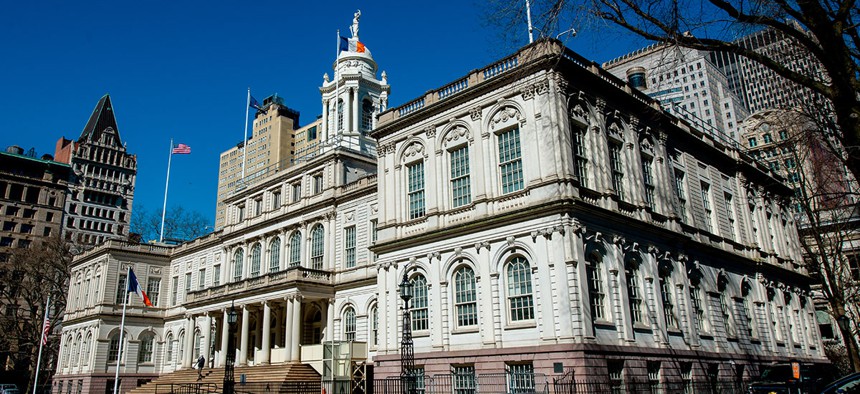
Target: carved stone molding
point(430, 132)
point(414, 149)
point(475, 113)
point(480, 245)
point(456, 133)
point(504, 115)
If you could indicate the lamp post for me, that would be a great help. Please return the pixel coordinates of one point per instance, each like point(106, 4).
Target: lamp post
point(407, 353)
point(844, 324)
point(229, 381)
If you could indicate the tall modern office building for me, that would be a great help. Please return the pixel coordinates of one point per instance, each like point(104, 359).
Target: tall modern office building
point(687, 84)
point(102, 183)
point(270, 148)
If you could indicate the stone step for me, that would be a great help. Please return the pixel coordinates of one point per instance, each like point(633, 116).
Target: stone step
point(264, 373)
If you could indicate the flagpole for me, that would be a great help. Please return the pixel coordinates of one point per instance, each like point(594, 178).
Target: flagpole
point(122, 324)
point(166, 184)
point(245, 141)
point(529, 18)
point(336, 88)
point(41, 344)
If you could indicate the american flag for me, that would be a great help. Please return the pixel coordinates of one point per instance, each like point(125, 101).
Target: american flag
point(46, 330)
point(181, 149)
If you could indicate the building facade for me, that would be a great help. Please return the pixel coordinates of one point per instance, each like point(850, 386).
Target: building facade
point(526, 257)
point(270, 148)
point(101, 189)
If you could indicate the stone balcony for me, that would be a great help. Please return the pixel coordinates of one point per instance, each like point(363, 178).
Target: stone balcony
point(280, 278)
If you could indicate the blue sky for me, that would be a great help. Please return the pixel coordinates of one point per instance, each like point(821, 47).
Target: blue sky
point(180, 69)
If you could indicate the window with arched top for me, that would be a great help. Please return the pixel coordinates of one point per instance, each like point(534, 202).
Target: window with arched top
point(510, 160)
point(145, 350)
point(596, 290)
point(634, 292)
point(520, 297)
point(295, 249)
point(580, 152)
point(465, 297)
point(420, 308)
point(749, 308)
point(238, 256)
point(349, 324)
point(73, 362)
point(275, 255)
point(339, 115)
point(374, 326)
point(667, 298)
point(366, 115)
point(616, 164)
point(114, 349)
point(168, 343)
point(85, 350)
point(256, 255)
point(317, 247)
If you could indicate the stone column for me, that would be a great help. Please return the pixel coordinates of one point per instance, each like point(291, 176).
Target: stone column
point(296, 325)
point(356, 111)
point(324, 132)
point(189, 341)
point(329, 320)
point(243, 349)
point(267, 334)
point(225, 340)
point(288, 329)
point(207, 337)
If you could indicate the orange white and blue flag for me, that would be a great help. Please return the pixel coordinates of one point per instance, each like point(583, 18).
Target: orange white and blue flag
point(134, 286)
point(351, 45)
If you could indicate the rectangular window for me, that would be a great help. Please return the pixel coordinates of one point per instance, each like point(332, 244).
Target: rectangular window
point(461, 193)
point(617, 169)
point(653, 368)
point(464, 379)
point(521, 378)
point(768, 139)
point(579, 152)
point(510, 161)
point(706, 203)
point(241, 213)
point(258, 206)
point(687, 377)
point(696, 303)
point(153, 287)
point(121, 287)
point(648, 176)
point(349, 246)
point(415, 189)
point(187, 283)
point(854, 266)
point(174, 290)
point(297, 191)
point(276, 200)
point(616, 376)
point(595, 290)
point(668, 305)
point(752, 142)
point(730, 213)
point(201, 278)
point(216, 275)
point(634, 296)
point(318, 183)
point(373, 235)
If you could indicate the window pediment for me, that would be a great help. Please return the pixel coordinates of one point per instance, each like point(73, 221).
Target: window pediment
point(505, 117)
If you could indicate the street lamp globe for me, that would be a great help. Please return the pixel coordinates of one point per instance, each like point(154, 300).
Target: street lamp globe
point(232, 315)
point(843, 322)
point(405, 289)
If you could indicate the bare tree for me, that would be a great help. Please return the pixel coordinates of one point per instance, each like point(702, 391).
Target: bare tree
point(26, 281)
point(824, 30)
point(179, 224)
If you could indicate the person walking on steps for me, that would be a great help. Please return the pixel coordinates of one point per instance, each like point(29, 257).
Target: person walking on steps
point(201, 361)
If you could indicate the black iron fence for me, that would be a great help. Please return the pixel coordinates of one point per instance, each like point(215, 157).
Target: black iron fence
point(308, 387)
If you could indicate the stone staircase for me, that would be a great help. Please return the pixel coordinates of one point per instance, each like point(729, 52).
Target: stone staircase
point(265, 373)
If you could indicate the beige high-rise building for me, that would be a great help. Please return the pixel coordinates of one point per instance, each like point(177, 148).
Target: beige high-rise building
point(271, 147)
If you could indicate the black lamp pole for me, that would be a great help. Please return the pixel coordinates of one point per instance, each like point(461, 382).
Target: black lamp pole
point(229, 381)
point(407, 351)
point(844, 323)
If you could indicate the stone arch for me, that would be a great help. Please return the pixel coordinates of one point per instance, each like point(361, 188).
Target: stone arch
point(412, 150)
point(504, 114)
point(454, 134)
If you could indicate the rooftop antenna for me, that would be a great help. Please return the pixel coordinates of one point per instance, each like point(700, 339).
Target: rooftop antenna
point(529, 18)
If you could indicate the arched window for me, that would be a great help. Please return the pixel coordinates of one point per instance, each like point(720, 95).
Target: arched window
point(295, 249)
point(520, 300)
point(317, 247)
point(339, 115)
point(198, 343)
point(415, 189)
point(419, 308)
point(256, 255)
point(168, 358)
point(616, 164)
point(596, 291)
point(668, 299)
point(510, 161)
point(74, 353)
point(580, 151)
point(147, 340)
point(64, 356)
point(237, 264)
point(461, 192)
point(85, 350)
point(634, 292)
point(374, 326)
point(114, 348)
point(366, 115)
point(275, 255)
point(465, 297)
point(180, 346)
point(349, 324)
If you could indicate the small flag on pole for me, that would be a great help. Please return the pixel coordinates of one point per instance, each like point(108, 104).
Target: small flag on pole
point(351, 45)
point(255, 104)
point(181, 149)
point(133, 286)
point(46, 328)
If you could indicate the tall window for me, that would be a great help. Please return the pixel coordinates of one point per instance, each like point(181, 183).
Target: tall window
point(349, 324)
point(168, 343)
point(187, 284)
point(153, 286)
point(727, 314)
point(633, 293)
point(276, 200)
point(216, 275)
point(297, 191)
point(113, 348)
point(730, 213)
point(653, 368)
point(681, 194)
point(461, 193)
point(698, 310)
point(580, 153)
point(145, 353)
point(416, 189)
point(275, 255)
point(464, 379)
point(668, 304)
point(120, 289)
point(510, 161)
point(174, 290)
point(520, 303)
point(85, 350)
point(201, 278)
point(237, 264)
point(420, 312)
point(706, 203)
point(295, 249)
point(648, 175)
point(465, 297)
point(349, 246)
point(339, 115)
point(749, 310)
point(594, 273)
point(256, 256)
point(616, 376)
point(318, 183)
point(521, 378)
point(617, 166)
point(317, 247)
point(374, 326)
point(687, 377)
point(366, 115)
point(373, 236)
